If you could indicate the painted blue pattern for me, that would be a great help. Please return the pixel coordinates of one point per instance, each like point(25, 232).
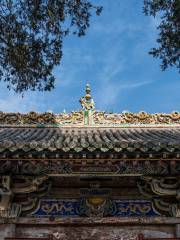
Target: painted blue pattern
point(134, 208)
point(70, 207)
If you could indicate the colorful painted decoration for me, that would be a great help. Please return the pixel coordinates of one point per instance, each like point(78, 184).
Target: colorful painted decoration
point(94, 207)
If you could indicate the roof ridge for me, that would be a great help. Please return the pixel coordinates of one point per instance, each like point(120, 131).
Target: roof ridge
point(90, 118)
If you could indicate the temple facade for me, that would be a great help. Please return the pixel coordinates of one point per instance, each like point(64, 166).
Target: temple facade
point(89, 175)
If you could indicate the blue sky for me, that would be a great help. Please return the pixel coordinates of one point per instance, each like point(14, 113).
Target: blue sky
point(113, 58)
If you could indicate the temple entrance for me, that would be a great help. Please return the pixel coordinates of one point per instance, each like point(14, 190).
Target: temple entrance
point(89, 175)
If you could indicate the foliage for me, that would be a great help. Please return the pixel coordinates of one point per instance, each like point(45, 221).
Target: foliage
point(31, 37)
point(168, 49)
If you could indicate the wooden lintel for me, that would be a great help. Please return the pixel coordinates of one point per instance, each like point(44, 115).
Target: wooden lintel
point(93, 221)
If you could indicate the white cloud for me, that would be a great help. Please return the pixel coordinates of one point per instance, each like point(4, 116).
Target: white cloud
point(19, 104)
point(111, 92)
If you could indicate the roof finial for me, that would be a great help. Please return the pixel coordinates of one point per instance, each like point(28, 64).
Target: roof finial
point(87, 102)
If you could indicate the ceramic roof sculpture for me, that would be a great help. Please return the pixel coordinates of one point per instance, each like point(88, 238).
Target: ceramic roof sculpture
point(38, 148)
point(90, 130)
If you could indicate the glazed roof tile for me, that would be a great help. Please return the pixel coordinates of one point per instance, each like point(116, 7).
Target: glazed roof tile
point(89, 129)
point(89, 138)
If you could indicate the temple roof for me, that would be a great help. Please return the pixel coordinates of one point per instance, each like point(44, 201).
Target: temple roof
point(90, 130)
point(91, 139)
